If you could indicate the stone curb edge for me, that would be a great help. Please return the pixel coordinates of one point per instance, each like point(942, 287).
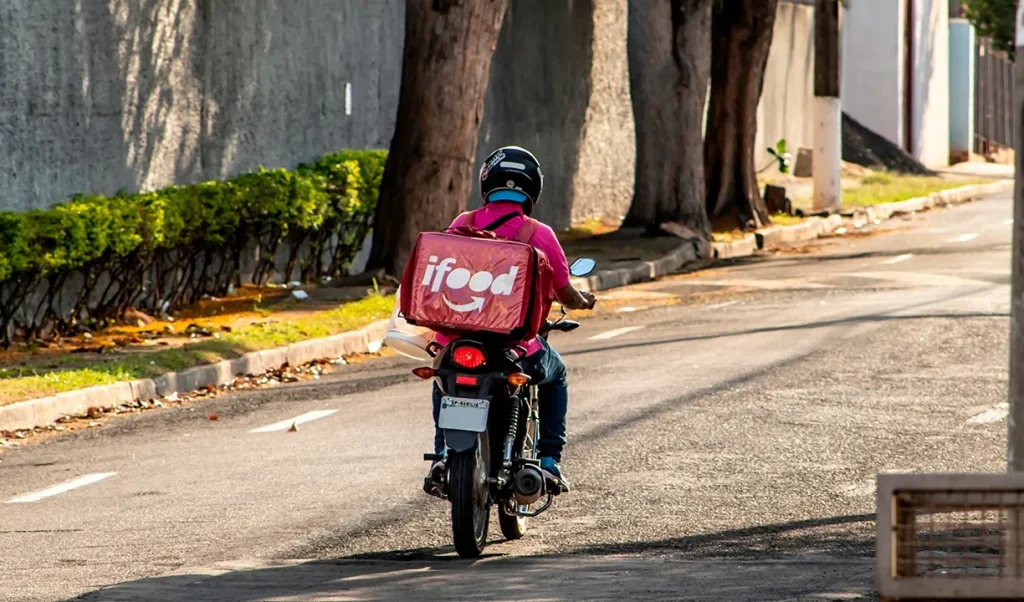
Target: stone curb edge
point(45, 410)
point(818, 226)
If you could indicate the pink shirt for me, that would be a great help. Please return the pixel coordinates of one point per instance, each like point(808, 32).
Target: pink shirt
point(543, 239)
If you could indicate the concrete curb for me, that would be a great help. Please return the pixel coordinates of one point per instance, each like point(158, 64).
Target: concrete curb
point(45, 410)
point(644, 272)
point(816, 226)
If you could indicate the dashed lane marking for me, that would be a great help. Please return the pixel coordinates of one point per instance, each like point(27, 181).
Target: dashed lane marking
point(287, 424)
point(611, 334)
point(82, 481)
point(898, 258)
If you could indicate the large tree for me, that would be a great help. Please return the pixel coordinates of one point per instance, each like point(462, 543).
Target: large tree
point(993, 19)
point(741, 35)
point(445, 68)
point(669, 52)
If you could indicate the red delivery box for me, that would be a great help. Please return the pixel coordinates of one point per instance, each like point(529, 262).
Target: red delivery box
point(458, 284)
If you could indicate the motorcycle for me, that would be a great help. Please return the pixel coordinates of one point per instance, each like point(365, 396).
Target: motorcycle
point(491, 423)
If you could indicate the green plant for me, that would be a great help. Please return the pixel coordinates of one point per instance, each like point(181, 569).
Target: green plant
point(993, 19)
point(880, 178)
point(780, 157)
point(93, 257)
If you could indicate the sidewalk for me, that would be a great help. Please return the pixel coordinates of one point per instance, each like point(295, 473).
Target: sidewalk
point(295, 339)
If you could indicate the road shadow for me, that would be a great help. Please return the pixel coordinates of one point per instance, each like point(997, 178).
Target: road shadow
point(815, 557)
point(791, 258)
point(790, 327)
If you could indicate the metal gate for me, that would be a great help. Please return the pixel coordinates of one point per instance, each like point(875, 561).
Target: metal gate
point(994, 119)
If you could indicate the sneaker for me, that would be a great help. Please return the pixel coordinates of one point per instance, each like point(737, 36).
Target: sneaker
point(553, 473)
point(433, 483)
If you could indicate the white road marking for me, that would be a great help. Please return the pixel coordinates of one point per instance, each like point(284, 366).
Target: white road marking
point(964, 237)
point(898, 258)
point(773, 284)
point(720, 305)
point(866, 488)
point(611, 334)
point(996, 414)
point(287, 424)
point(82, 481)
point(919, 279)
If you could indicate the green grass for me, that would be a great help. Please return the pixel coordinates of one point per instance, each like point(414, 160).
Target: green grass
point(781, 219)
point(70, 372)
point(893, 188)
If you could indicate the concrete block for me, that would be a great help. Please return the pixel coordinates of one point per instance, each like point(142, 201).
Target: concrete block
point(738, 248)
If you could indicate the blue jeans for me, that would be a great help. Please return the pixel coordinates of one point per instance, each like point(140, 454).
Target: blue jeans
point(548, 370)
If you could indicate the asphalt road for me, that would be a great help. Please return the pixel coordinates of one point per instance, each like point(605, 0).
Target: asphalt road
point(724, 441)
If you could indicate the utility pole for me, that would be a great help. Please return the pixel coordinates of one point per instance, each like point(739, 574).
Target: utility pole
point(827, 168)
point(1016, 418)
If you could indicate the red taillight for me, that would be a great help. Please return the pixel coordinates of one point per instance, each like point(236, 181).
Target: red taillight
point(468, 357)
point(466, 381)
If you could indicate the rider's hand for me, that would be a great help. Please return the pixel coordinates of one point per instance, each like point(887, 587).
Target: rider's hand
point(590, 298)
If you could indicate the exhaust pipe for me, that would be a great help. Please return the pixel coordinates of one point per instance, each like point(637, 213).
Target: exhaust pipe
point(528, 485)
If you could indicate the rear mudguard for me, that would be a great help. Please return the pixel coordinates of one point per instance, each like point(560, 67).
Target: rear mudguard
point(460, 441)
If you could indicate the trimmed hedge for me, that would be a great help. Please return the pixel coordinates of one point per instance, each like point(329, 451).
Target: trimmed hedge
point(93, 257)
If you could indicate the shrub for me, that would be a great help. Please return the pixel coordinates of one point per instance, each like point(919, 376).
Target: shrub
point(92, 257)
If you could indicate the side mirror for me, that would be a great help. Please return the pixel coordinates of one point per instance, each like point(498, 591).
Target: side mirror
point(582, 266)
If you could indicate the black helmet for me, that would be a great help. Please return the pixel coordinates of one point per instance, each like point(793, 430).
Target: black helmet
point(512, 173)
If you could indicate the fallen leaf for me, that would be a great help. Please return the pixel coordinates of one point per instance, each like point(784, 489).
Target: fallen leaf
point(294, 428)
point(214, 417)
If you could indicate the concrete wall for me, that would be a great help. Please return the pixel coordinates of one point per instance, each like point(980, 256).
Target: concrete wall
point(559, 86)
point(930, 115)
point(961, 87)
point(874, 73)
point(104, 95)
point(786, 102)
point(872, 65)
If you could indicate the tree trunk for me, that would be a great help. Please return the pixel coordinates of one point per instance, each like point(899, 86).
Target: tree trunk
point(741, 35)
point(445, 67)
point(669, 51)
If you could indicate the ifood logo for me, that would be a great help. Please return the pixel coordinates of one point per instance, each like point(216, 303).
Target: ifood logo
point(459, 278)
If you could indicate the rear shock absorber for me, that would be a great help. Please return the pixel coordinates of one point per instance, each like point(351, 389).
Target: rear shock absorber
point(513, 431)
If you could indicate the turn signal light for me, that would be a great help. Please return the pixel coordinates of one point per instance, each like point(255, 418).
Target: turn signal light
point(518, 379)
point(424, 372)
point(468, 357)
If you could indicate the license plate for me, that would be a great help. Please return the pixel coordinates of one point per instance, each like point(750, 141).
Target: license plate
point(460, 414)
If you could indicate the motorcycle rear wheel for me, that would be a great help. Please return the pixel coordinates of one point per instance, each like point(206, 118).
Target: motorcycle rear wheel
point(467, 492)
point(513, 526)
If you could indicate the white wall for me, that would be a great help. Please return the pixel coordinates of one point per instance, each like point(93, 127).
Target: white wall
point(786, 101)
point(873, 73)
point(931, 82)
point(872, 64)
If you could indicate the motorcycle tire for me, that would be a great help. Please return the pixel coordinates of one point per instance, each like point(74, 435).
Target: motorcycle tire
point(467, 492)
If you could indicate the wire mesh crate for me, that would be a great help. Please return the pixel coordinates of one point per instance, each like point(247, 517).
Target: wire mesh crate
point(951, 536)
